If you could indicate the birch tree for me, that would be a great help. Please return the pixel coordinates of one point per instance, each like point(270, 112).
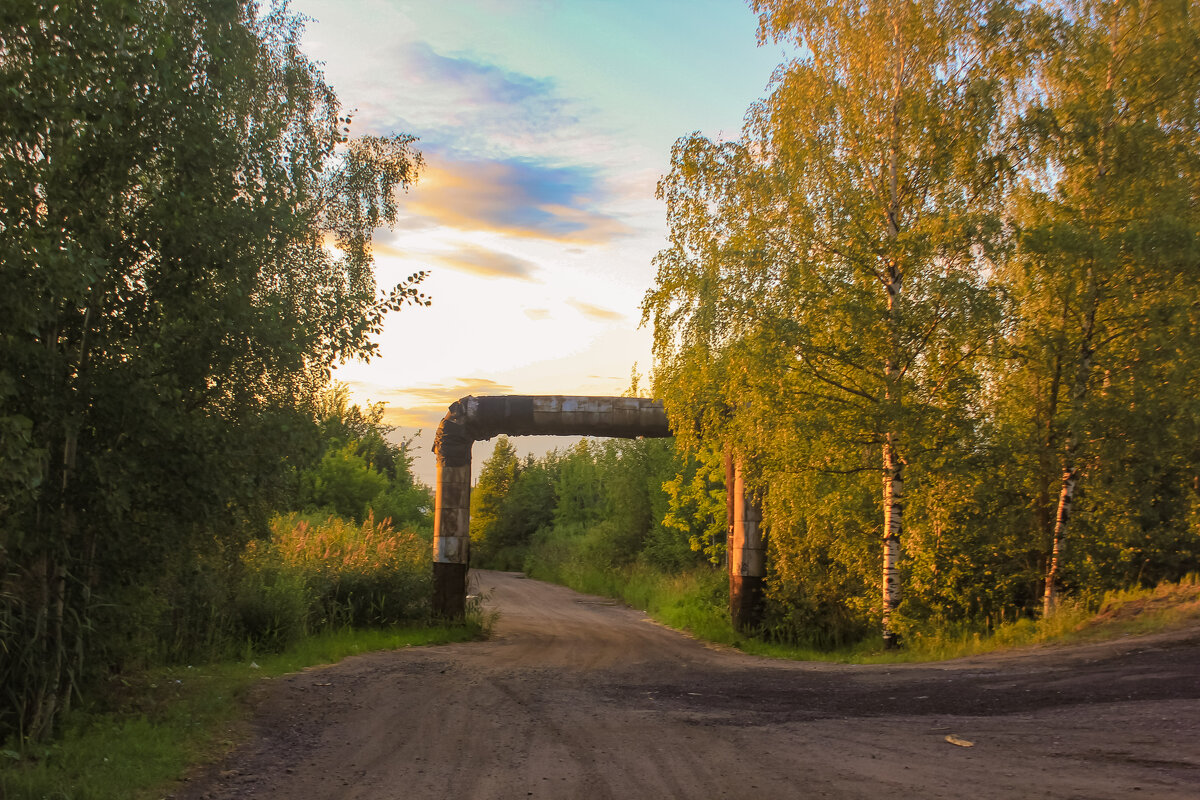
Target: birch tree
point(496, 478)
point(838, 254)
point(1108, 224)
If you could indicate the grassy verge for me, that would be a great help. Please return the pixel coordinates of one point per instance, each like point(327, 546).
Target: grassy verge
point(697, 602)
point(164, 720)
point(1122, 613)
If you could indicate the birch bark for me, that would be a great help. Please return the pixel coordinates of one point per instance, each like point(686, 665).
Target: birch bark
point(893, 462)
point(1070, 475)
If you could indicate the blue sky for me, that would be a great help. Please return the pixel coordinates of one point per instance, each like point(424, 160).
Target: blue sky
point(545, 125)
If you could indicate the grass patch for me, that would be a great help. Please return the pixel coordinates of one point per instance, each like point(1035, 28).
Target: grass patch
point(1122, 613)
point(160, 722)
point(317, 574)
point(697, 601)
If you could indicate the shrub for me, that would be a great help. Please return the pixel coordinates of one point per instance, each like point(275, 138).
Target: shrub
point(272, 600)
point(314, 575)
point(343, 482)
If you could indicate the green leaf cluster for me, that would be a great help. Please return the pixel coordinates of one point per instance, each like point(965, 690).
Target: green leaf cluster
point(185, 232)
point(596, 506)
point(952, 249)
point(359, 470)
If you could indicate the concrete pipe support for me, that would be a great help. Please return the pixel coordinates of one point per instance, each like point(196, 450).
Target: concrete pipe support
point(747, 554)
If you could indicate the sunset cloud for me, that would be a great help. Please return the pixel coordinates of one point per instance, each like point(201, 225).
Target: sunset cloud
point(459, 100)
point(488, 263)
point(423, 406)
point(597, 313)
point(514, 196)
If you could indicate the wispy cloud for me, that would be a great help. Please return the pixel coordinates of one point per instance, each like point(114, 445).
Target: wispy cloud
point(465, 102)
point(597, 313)
point(422, 417)
point(505, 151)
point(424, 405)
point(486, 84)
point(448, 393)
point(488, 263)
point(537, 314)
point(515, 196)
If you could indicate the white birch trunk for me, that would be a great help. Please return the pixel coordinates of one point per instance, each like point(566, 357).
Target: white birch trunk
point(893, 462)
point(893, 466)
point(1066, 497)
point(1070, 474)
point(893, 526)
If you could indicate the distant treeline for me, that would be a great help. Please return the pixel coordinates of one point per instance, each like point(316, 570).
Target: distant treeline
point(600, 505)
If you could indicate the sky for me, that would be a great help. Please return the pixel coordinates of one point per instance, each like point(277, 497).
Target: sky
point(545, 126)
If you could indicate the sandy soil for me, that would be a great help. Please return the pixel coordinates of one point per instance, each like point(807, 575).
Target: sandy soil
point(576, 697)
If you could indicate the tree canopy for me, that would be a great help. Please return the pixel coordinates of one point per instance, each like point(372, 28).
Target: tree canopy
point(185, 230)
point(907, 271)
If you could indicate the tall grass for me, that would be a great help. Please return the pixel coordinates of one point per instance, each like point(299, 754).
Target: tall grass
point(695, 600)
point(317, 575)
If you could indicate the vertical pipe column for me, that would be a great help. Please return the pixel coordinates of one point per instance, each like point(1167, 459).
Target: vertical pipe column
point(747, 556)
point(452, 514)
point(451, 538)
point(730, 500)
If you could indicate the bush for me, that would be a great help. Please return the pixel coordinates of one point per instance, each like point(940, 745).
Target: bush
point(272, 601)
point(343, 482)
point(319, 575)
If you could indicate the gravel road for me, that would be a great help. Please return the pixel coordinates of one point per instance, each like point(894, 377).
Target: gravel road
point(577, 697)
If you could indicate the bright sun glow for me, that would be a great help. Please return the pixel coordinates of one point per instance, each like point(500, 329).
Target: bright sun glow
point(545, 127)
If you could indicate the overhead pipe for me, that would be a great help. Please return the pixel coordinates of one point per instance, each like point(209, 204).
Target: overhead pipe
point(474, 418)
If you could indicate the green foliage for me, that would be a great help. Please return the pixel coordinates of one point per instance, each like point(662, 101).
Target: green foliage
point(696, 506)
point(598, 505)
point(343, 482)
point(527, 507)
point(405, 503)
point(164, 721)
point(1104, 339)
point(694, 600)
point(272, 602)
point(634, 503)
point(169, 176)
point(823, 299)
point(952, 248)
point(316, 575)
point(608, 495)
point(496, 478)
point(578, 489)
point(361, 471)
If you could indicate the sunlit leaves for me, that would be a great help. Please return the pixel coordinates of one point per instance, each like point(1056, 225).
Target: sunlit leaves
point(1107, 248)
point(967, 229)
point(826, 288)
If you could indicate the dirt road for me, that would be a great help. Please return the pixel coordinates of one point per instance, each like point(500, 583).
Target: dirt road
point(575, 697)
